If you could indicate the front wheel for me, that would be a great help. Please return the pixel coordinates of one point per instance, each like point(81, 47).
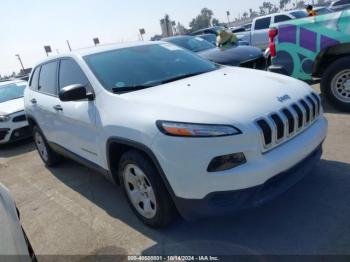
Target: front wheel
point(335, 84)
point(145, 190)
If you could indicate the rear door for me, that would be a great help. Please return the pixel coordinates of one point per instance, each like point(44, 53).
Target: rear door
point(260, 34)
point(76, 120)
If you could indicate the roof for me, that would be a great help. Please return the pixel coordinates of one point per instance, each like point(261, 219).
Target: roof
point(97, 49)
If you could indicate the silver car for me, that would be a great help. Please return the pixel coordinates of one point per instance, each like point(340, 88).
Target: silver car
point(14, 242)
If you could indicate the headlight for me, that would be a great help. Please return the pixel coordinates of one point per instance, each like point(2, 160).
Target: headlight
point(196, 130)
point(4, 118)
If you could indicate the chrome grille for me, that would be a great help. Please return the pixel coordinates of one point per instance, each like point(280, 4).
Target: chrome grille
point(278, 127)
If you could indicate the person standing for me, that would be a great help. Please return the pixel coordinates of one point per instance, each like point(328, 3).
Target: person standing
point(310, 10)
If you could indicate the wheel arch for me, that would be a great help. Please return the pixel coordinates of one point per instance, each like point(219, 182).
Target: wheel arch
point(31, 121)
point(327, 56)
point(115, 148)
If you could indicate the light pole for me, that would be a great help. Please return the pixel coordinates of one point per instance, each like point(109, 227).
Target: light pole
point(228, 17)
point(70, 49)
point(20, 60)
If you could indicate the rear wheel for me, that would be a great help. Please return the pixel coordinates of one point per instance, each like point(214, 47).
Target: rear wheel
point(49, 157)
point(335, 84)
point(145, 190)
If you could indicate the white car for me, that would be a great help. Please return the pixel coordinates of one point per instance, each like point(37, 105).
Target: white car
point(13, 122)
point(177, 132)
point(15, 245)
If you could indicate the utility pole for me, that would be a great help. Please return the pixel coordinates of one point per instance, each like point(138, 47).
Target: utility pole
point(20, 60)
point(70, 49)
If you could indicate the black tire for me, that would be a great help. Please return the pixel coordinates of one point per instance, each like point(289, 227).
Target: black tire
point(51, 158)
point(165, 209)
point(329, 76)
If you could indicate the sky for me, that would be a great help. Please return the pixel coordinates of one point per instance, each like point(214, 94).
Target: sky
point(28, 25)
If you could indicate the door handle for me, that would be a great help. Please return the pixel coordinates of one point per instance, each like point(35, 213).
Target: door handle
point(58, 108)
point(33, 101)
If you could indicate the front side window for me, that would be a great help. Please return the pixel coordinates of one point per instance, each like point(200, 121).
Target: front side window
point(343, 2)
point(262, 23)
point(12, 91)
point(137, 67)
point(71, 74)
point(47, 79)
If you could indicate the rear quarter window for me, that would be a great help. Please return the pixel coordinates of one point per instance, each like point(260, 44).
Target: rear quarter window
point(33, 84)
point(262, 23)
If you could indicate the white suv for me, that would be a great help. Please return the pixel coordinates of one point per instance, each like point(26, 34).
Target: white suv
point(179, 133)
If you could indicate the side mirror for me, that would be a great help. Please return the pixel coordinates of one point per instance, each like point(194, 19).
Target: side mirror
point(74, 93)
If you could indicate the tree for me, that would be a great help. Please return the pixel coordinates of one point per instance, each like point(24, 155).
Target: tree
point(202, 20)
point(268, 8)
point(300, 4)
point(283, 3)
point(245, 15)
point(252, 13)
point(215, 22)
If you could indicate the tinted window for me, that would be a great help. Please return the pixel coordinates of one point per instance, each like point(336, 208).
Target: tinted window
point(209, 37)
point(342, 2)
point(136, 67)
point(281, 18)
point(299, 14)
point(47, 79)
point(34, 81)
point(70, 74)
point(12, 91)
point(262, 23)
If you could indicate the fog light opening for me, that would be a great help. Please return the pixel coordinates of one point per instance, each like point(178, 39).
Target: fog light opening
point(226, 162)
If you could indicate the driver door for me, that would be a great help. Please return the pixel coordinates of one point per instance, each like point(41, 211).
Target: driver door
point(76, 122)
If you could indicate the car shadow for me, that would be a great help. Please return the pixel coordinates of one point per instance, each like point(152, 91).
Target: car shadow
point(313, 217)
point(329, 108)
point(17, 148)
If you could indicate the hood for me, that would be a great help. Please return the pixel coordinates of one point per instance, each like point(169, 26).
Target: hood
point(226, 95)
point(231, 56)
point(12, 106)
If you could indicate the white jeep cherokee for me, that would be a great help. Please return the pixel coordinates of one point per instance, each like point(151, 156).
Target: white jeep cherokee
point(179, 133)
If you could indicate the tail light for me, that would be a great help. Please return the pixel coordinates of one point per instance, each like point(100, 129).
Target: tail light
point(272, 34)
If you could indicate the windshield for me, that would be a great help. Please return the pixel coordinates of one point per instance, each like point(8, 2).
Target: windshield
point(194, 44)
point(137, 67)
point(11, 91)
point(299, 14)
point(209, 37)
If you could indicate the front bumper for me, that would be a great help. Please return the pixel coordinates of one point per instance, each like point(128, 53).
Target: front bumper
point(219, 203)
point(8, 135)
